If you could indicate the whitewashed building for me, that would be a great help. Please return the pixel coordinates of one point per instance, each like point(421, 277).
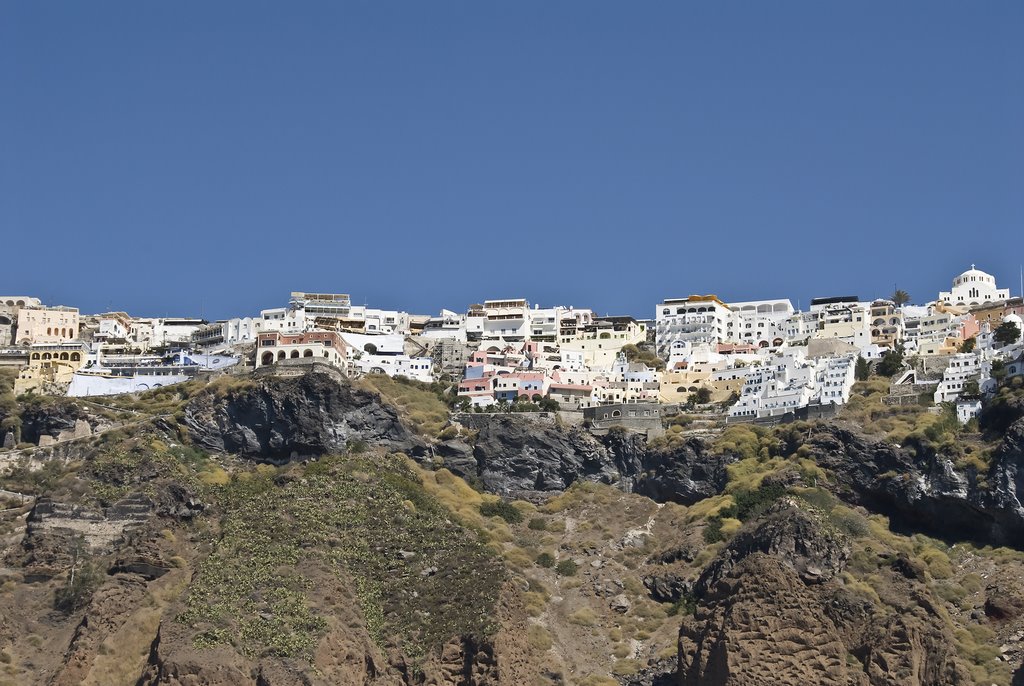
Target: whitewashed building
point(695, 319)
point(961, 369)
point(792, 381)
point(763, 323)
point(973, 288)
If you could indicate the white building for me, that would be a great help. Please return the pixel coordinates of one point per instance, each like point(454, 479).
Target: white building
point(972, 288)
point(763, 323)
point(596, 345)
point(792, 381)
point(385, 354)
point(283, 320)
point(696, 319)
point(843, 318)
point(968, 409)
point(506, 320)
point(447, 324)
point(171, 331)
point(962, 368)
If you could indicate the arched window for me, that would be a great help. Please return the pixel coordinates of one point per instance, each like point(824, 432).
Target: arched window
point(49, 331)
point(35, 356)
point(64, 356)
point(75, 357)
point(46, 356)
point(616, 413)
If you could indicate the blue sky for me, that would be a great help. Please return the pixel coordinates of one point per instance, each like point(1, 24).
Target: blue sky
point(187, 157)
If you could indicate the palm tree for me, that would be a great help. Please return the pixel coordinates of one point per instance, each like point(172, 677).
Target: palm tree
point(900, 297)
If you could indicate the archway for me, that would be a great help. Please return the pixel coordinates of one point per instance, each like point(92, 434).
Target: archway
point(268, 358)
point(295, 354)
point(281, 355)
point(307, 353)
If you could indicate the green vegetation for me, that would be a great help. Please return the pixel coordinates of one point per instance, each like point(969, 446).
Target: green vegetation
point(900, 297)
point(9, 411)
point(503, 509)
point(713, 530)
point(647, 357)
point(1006, 333)
point(862, 371)
point(891, 362)
point(419, 403)
point(365, 522)
point(538, 524)
point(82, 580)
point(566, 568)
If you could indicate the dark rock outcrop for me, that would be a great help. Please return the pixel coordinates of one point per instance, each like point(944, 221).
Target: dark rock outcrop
point(922, 491)
point(517, 456)
point(791, 534)
point(51, 418)
point(771, 611)
point(685, 474)
point(277, 419)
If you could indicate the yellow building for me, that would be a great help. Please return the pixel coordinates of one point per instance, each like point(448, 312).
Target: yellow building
point(50, 367)
point(47, 325)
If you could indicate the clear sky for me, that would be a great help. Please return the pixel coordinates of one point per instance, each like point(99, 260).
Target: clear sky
point(172, 158)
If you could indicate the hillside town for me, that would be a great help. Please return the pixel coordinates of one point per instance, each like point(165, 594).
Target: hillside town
point(751, 361)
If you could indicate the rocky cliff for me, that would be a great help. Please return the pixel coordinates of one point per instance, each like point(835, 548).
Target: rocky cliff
point(277, 419)
point(922, 491)
point(517, 455)
point(771, 610)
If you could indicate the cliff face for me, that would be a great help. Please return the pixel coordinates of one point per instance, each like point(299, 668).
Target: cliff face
point(924, 492)
point(772, 611)
point(518, 456)
point(275, 420)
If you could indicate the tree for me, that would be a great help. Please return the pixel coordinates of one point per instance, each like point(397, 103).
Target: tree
point(84, 577)
point(463, 403)
point(648, 357)
point(900, 297)
point(702, 396)
point(968, 345)
point(1006, 333)
point(891, 362)
point(863, 369)
point(549, 405)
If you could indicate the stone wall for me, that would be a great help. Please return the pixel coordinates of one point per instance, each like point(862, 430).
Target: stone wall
point(477, 420)
point(299, 367)
point(908, 394)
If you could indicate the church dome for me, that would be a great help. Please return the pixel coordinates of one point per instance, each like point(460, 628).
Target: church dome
point(975, 276)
